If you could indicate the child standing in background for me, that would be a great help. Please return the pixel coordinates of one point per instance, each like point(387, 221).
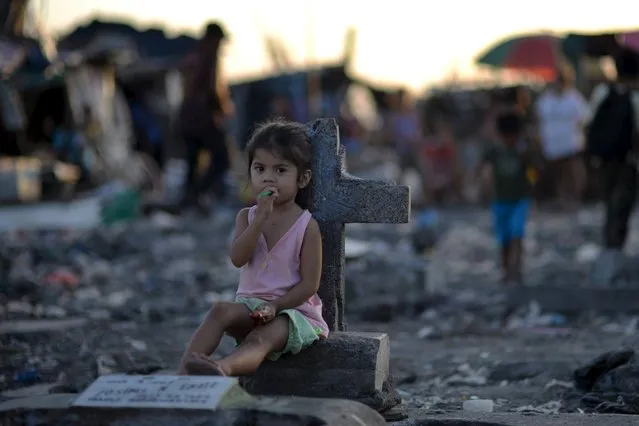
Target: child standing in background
point(509, 160)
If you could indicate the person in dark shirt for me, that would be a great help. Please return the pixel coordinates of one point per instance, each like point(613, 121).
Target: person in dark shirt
point(202, 116)
point(509, 160)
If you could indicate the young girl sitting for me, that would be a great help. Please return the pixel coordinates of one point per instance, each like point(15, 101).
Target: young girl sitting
point(279, 248)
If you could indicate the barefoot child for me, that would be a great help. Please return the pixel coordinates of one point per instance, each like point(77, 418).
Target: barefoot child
point(509, 162)
point(279, 248)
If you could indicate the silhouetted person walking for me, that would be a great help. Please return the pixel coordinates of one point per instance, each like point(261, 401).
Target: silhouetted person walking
point(205, 107)
point(613, 139)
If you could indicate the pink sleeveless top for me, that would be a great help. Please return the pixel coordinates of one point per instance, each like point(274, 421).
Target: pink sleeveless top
point(271, 274)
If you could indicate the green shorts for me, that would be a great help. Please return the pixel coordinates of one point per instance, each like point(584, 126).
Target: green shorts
point(301, 334)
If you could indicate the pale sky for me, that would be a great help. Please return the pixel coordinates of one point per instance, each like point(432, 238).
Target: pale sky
point(415, 42)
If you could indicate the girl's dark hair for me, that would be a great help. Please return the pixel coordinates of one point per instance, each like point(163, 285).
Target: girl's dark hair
point(286, 139)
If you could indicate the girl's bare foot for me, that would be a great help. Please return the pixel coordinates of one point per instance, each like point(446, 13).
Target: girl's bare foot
point(201, 365)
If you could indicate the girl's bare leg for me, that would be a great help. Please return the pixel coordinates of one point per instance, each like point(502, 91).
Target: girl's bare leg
point(255, 347)
point(222, 317)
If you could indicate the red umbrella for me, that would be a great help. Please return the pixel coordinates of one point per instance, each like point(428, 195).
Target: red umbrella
point(538, 54)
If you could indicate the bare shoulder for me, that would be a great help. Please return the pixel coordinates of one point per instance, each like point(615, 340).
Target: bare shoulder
point(241, 221)
point(312, 243)
point(312, 230)
point(242, 215)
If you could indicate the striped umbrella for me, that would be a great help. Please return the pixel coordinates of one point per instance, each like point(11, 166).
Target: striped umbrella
point(537, 54)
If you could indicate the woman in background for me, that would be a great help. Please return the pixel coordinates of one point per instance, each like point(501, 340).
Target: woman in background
point(562, 113)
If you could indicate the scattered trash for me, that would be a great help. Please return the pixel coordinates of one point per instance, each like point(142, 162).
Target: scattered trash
point(27, 376)
point(106, 365)
point(120, 206)
point(62, 277)
point(558, 384)
point(587, 253)
point(479, 405)
point(425, 232)
point(551, 407)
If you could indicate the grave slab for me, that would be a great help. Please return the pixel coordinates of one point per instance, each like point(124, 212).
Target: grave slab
point(119, 391)
point(170, 400)
point(347, 365)
point(576, 299)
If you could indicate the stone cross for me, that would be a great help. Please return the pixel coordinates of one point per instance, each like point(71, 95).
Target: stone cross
point(337, 198)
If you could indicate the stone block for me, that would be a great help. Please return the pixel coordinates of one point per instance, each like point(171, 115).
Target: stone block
point(347, 365)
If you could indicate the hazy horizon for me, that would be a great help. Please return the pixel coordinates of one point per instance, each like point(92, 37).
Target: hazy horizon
point(406, 44)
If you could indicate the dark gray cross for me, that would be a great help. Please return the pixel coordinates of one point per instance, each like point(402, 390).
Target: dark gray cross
point(338, 198)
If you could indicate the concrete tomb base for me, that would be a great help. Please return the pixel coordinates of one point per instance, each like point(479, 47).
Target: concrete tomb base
point(347, 365)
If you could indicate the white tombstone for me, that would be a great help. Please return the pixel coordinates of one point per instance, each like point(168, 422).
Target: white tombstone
point(165, 392)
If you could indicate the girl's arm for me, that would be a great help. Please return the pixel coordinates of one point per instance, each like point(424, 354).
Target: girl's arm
point(245, 238)
point(310, 271)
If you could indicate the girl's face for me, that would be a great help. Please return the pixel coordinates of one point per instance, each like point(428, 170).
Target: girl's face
point(272, 171)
